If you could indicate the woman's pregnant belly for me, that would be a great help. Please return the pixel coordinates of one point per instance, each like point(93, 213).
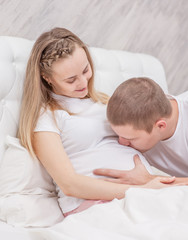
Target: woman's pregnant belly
point(108, 154)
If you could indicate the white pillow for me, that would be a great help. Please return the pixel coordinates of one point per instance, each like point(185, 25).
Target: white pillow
point(27, 193)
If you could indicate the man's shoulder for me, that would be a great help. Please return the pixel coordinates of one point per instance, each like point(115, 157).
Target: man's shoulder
point(182, 100)
point(183, 96)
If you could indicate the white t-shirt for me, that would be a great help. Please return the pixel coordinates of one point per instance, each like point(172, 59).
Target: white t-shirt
point(171, 155)
point(88, 140)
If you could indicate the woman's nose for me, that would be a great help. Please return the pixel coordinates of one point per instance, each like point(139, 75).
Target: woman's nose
point(82, 81)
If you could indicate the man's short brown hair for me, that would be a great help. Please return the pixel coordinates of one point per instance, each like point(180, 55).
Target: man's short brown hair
point(139, 102)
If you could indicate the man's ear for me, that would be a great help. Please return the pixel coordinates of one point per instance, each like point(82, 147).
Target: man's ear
point(161, 124)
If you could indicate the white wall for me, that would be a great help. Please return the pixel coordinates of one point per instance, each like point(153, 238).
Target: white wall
point(156, 27)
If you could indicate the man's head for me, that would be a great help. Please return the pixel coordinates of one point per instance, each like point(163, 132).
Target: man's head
point(137, 111)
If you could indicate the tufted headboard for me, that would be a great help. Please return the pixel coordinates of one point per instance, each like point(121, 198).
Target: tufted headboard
point(111, 68)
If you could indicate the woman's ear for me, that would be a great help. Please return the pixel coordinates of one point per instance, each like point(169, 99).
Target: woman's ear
point(47, 80)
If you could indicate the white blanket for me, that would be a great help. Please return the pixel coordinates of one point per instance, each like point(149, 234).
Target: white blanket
point(144, 214)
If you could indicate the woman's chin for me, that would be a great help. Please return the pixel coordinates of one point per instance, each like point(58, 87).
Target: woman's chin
point(83, 94)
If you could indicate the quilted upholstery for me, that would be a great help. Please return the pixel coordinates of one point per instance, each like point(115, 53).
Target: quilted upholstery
point(111, 66)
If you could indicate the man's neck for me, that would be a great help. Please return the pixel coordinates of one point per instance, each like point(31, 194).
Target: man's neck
point(172, 120)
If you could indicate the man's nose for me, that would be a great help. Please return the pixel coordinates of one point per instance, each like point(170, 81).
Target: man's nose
point(124, 141)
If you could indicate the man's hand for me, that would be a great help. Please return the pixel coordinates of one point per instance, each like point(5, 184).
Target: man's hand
point(137, 176)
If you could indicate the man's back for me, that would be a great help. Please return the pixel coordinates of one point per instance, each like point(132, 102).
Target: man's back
point(171, 155)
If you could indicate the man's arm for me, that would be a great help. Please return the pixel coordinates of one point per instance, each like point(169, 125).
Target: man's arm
point(137, 176)
point(181, 180)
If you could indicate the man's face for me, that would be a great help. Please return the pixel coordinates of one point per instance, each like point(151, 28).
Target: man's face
point(138, 139)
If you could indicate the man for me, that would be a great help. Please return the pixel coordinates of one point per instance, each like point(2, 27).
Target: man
point(155, 124)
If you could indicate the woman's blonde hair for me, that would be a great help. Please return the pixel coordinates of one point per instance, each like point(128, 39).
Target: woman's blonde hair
point(138, 102)
point(49, 47)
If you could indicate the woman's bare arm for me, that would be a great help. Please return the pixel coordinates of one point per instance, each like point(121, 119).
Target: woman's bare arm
point(50, 152)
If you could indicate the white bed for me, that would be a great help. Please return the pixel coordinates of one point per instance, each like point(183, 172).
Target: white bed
point(28, 202)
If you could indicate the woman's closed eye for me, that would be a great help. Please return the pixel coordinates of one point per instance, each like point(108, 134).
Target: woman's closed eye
point(71, 80)
point(85, 70)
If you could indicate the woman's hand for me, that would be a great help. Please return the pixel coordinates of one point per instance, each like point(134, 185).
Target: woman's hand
point(137, 176)
point(161, 182)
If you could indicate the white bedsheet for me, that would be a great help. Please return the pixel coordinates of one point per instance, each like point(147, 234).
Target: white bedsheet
point(8, 232)
point(144, 214)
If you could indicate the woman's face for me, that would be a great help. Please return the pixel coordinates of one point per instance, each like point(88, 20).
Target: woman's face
point(71, 75)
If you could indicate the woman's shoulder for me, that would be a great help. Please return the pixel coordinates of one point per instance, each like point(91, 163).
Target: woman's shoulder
point(48, 113)
point(49, 116)
point(50, 120)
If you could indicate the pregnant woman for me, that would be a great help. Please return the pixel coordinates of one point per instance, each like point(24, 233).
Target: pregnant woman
point(63, 123)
